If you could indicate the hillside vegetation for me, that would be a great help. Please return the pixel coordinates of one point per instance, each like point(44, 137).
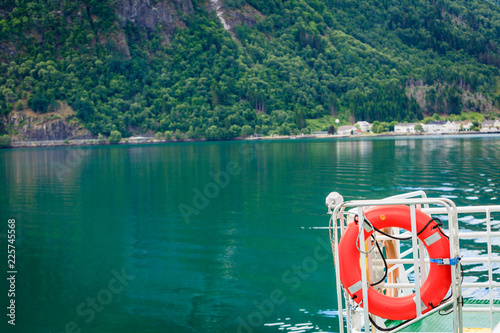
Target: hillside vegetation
point(172, 66)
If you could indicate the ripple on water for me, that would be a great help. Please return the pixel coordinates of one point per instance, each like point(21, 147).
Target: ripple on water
point(295, 325)
point(439, 188)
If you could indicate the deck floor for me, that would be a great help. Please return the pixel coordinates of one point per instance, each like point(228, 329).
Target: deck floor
point(473, 322)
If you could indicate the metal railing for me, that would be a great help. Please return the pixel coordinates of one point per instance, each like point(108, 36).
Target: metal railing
point(343, 211)
point(488, 234)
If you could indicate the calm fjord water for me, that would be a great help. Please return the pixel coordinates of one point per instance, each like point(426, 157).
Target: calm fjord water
point(119, 239)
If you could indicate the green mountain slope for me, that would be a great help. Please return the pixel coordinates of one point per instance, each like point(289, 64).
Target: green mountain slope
point(139, 66)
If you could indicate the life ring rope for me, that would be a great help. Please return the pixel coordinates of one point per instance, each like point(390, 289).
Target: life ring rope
point(434, 288)
point(429, 241)
point(440, 261)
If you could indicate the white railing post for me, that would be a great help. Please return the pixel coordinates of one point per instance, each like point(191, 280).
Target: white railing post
point(456, 279)
point(337, 272)
point(490, 267)
point(416, 271)
point(361, 217)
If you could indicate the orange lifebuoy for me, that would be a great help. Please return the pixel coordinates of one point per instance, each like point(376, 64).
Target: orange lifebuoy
point(435, 286)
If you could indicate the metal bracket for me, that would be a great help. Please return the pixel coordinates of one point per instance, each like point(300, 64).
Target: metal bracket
point(446, 261)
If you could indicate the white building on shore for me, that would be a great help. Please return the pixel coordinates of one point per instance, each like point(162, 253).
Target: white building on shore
point(490, 126)
point(347, 130)
point(364, 126)
point(406, 127)
point(465, 125)
point(435, 126)
point(451, 127)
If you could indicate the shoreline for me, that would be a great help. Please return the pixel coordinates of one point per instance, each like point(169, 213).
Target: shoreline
point(153, 140)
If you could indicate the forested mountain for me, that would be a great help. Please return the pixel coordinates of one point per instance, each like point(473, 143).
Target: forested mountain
point(170, 65)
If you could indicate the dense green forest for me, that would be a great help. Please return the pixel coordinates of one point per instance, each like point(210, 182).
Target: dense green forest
point(282, 62)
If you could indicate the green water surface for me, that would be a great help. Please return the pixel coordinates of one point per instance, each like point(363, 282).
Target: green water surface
point(204, 237)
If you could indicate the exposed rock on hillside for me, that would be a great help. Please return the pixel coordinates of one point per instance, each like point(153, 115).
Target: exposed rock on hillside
point(27, 125)
point(149, 15)
point(246, 15)
point(433, 98)
point(216, 5)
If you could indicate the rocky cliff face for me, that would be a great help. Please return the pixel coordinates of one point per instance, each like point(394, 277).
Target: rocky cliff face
point(149, 15)
point(472, 102)
point(246, 15)
point(27, 125)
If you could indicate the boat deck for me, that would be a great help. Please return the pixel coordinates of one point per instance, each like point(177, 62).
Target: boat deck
point(472, 321)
